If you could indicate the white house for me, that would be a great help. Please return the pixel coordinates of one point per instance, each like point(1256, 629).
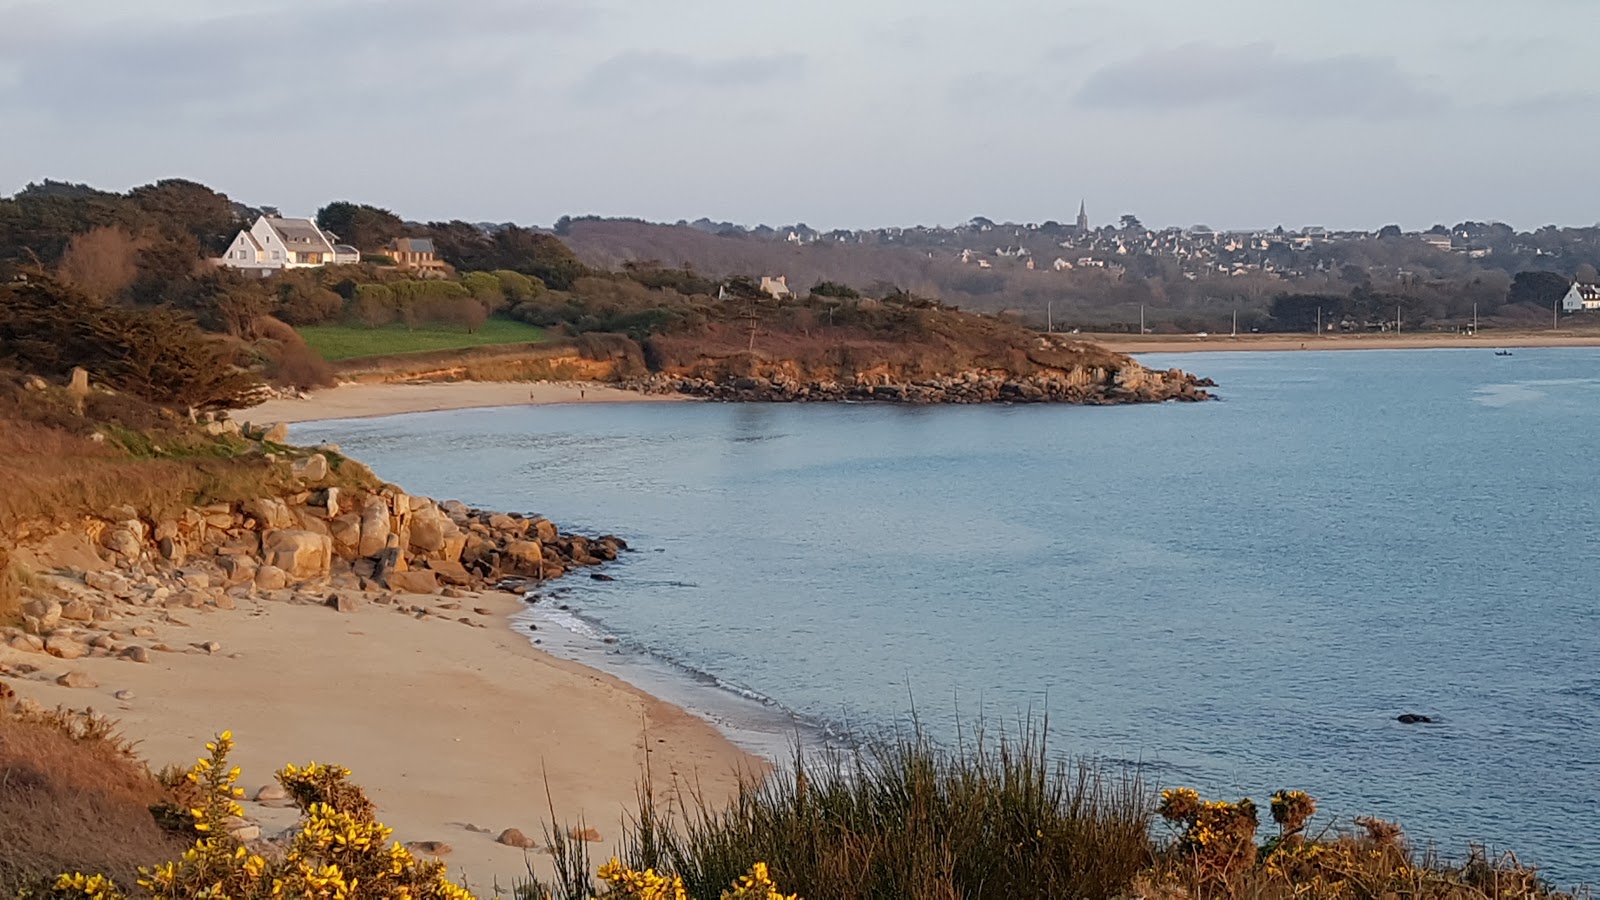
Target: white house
point(274, 243)
point(1581, 297)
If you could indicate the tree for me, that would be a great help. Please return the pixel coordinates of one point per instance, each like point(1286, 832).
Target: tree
point(303, 301)
point(485, 289)
point(518, 287)
point(1586, 274)
point(835, 290)
point(373, 305)
point(102, 263)
point(49, 328)
point(182, 206)
point(367, 228)
point(1389, 231)
point(1541, 289)
point(466, 312)
point(1131, 223)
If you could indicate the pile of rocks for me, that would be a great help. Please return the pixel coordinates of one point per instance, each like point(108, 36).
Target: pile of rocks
point(1089, 386)
point(320, 544)
point(385, 539)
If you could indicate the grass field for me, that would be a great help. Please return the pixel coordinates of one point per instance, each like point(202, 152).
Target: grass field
point(336, 342)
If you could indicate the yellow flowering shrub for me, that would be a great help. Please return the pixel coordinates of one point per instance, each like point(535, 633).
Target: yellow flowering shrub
point(624, 883)
point(339, 853)
point(319, 783)
point(1219, 837)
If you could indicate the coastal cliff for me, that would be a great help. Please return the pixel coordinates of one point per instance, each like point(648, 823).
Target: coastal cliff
point(1052, 371)
point(1043, 369)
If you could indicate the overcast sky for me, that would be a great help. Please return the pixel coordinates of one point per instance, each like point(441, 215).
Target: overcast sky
point(837, 113)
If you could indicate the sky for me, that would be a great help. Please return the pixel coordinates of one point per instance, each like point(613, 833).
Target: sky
point(836, 113)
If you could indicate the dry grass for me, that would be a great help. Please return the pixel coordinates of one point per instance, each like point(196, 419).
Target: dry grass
point(73, 798)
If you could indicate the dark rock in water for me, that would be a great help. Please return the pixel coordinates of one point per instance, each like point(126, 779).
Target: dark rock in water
point(1413, 719)
point(598, 577)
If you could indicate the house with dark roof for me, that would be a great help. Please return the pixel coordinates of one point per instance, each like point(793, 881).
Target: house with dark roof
point(413, 253)
point(274, 243)
point(1581, 298)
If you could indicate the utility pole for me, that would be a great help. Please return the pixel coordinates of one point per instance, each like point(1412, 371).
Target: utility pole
point(1319, 321)
point(1397, 318)
point(1141, 319)
point(1236, 323)
point(1049, 317)
point(1555, 315)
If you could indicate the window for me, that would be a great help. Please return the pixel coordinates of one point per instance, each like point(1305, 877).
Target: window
point(277, 254)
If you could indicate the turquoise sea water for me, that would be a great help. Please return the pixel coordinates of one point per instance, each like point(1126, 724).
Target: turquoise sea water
point(1240, 595)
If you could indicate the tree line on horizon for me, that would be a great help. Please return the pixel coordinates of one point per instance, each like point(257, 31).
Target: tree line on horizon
point(148, 247)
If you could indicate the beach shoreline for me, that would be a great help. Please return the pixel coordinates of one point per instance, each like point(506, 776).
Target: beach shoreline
point(1188, 343)
point(453, 721)
point(374, 400)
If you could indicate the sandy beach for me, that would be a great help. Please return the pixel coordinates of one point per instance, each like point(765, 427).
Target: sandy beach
point(447, 725)
point(1185, 343)
point(358, 401)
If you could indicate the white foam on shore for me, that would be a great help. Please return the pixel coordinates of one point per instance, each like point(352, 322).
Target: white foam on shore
point(752, 721)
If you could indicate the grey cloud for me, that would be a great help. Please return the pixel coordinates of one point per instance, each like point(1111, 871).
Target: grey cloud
point(639, 73)
point(1573, 104)
point(299, 64)
point(1256, 77)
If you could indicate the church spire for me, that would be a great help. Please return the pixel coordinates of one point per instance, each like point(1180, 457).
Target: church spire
point(1083, 217)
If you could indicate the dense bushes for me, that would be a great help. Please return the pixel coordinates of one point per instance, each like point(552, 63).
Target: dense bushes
point(156, 354)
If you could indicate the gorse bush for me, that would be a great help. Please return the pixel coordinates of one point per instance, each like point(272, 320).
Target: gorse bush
point(340, 852)
point(1215, 855)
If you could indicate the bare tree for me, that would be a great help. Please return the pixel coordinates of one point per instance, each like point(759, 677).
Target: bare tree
point(101, 263)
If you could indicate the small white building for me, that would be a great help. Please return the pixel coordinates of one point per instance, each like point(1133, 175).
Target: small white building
point(275, 243)
point(1582, 297)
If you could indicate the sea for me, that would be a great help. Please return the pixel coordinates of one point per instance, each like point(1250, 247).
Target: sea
point(1237, 596)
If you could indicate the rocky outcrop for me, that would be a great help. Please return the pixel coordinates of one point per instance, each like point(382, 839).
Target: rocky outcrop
point(1054, 371)
point(1092, 387)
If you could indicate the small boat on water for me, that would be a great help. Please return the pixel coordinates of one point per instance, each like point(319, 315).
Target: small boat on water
point(1502, 353)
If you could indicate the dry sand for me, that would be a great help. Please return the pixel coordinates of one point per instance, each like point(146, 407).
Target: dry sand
point(1184, 343)
point(445, 725)
point(355, 401)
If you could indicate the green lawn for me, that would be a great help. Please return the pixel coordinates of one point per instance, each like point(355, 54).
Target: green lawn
point(337, 342)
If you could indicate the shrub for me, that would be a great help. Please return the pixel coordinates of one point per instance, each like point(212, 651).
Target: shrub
point(518, 287)
point(290, 360)
point(303, 301)
point(339, 850)
point(72, 797)
point(485, 288)
point(159, 355)
point(372, 305)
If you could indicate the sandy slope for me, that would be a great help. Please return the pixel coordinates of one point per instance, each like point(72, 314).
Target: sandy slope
point(444, 724)
point(353, 401)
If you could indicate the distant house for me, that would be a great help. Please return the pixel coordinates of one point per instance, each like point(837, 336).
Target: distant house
point(413, 253)
point(1582, 297)
point(274, 243)
point(777, 288)
point(345, 255)
point(1439, 241)
point(1062, 265)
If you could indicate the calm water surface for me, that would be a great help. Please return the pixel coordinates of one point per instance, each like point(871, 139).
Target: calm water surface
point(1241, 594)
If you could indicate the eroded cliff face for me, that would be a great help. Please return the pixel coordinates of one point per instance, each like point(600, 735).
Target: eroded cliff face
point(1053, 371)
